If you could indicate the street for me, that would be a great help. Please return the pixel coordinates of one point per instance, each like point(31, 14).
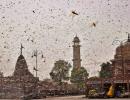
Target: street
point(67, 98)
point(82, 97)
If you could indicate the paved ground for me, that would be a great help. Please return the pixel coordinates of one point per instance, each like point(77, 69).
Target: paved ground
point(67, 98)
point(78, 98)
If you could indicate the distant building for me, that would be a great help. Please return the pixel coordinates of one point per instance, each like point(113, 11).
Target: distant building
point(21, 83)
point(21, 68)
point(121, 61)
point(120, 70)
point(76, 53)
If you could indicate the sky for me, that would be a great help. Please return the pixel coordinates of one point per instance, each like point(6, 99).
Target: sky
point(50, 26)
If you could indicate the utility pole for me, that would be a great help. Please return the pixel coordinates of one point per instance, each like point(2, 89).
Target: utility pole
point(36, 66)
point(35, 54)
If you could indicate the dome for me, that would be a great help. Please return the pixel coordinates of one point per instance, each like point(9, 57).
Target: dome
point(21, 68)
point(76, 39)
point(123, 50)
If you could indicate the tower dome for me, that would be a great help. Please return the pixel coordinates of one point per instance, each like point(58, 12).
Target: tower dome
point(21, 68)
point(123, 49)
point(76, 39)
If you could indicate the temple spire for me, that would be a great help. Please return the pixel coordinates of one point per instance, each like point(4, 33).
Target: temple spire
point(21, 49)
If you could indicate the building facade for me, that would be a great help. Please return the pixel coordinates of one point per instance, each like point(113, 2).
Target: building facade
point(121, 61)
point(120, 70)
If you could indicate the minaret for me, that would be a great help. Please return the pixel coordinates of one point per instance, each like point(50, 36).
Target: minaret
point(76, 53)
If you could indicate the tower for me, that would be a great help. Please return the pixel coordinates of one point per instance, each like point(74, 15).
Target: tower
point(21, 68)
point(76, 53)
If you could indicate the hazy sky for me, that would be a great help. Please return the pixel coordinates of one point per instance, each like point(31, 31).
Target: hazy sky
point(49, 26)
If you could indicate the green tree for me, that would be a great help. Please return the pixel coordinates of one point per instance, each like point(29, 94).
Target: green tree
point(78, 76)
point(106, 70)
point(60, 71)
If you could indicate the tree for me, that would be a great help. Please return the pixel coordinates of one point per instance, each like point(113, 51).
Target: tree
point(106, 70)
point(78, 76)
point(60, 71)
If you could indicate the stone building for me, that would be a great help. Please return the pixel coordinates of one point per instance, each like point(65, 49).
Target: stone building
point(120, 70)
point(21, 83)
point(121, 61)
point(76, 53)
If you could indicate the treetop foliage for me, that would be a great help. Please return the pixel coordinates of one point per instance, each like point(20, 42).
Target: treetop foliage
point(60, 71)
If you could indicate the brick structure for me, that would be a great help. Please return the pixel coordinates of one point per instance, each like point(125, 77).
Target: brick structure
point(120, 69)
point(121, 61)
